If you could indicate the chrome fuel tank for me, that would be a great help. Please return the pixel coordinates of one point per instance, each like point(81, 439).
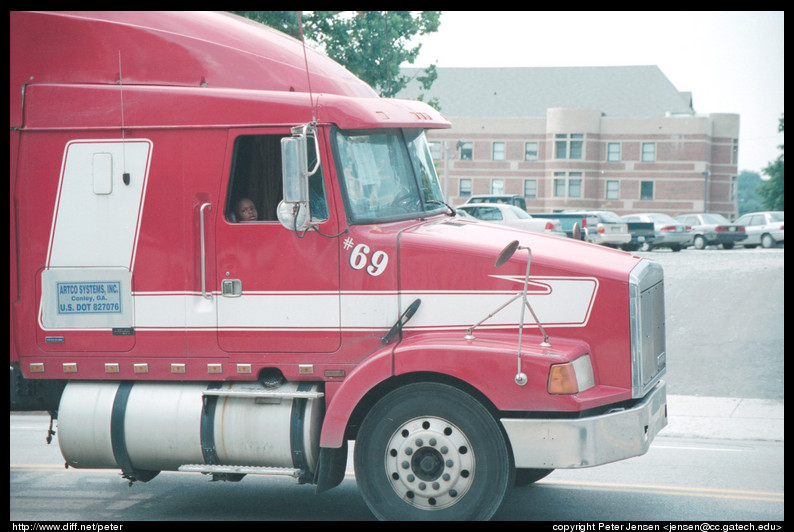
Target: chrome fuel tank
point(154, 426)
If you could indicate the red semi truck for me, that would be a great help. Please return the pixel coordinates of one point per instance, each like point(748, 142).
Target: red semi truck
point(166, 327)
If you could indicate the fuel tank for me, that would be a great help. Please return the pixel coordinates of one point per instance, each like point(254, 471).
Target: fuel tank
point(145, 427)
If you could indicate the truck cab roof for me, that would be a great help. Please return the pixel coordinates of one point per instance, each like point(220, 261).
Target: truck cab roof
point(191, 53)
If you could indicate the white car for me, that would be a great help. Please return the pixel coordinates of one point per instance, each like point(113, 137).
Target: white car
point(513, 216)
point(765, 228)
point(604, 227)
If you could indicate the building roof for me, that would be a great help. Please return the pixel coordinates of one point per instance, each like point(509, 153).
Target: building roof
point(617, 91)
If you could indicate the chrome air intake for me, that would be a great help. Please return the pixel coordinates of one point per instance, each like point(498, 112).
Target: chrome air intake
point(646, 306)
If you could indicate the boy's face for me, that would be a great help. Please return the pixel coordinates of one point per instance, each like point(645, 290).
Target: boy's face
point(246, 211)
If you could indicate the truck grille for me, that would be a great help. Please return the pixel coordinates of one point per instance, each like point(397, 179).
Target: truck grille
point(648, 351)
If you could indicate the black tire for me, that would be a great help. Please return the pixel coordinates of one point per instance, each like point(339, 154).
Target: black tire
point(430, 451)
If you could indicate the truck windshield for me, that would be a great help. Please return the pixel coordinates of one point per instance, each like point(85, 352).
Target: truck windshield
point(387, 175)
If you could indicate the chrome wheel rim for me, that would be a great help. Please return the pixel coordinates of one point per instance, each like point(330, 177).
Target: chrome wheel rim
point(430, 462)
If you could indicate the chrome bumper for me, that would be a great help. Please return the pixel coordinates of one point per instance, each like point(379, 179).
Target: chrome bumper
point(591, 441)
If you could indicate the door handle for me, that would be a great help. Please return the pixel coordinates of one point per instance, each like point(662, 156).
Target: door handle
point(231, 288)
point(203, 253)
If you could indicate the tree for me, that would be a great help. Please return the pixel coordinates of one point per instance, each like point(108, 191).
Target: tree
point(771, 191)
point(746, 195)
point(371, 44)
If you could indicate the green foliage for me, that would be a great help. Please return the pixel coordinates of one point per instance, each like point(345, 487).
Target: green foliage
point(771, 191)
point(747, 198)
point(371, 44)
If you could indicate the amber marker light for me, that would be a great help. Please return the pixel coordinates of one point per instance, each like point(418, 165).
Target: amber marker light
point(571, 377)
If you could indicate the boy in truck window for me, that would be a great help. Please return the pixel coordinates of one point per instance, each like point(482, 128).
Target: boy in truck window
point(245, 210)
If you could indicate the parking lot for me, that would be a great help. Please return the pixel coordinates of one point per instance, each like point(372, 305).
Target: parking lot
point(724, 321)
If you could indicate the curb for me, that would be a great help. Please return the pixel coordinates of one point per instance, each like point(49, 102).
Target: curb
point(726, 418)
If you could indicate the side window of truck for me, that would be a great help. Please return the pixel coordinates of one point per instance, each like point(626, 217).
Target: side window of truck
point(255, 181)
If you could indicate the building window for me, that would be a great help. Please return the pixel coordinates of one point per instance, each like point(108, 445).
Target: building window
point(561, 147)
point(576, 146)
point(613, 151)
point(466, 150)
point(559, 184)
point(569, 185)
point(648, 152)
point(646, 190)
point(575, 185)
point(498, 151)
point(735, 152)
point(531, 188)
point(497, 186)
point(464, 188)
point(613, 190)
point(531, 151)
point(568, 146)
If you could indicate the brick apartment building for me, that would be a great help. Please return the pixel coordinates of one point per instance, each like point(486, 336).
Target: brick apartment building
point(622, 139)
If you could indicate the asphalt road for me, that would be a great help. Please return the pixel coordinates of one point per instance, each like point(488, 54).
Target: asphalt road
point(679, 479)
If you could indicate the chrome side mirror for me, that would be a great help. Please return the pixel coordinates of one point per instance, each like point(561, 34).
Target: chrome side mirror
point(293, 210)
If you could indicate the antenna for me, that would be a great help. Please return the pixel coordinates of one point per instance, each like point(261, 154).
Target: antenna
point(306, 62)
point(388, 47)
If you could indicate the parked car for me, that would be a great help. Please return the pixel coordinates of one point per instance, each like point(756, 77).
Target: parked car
point(568, 221)
point(510, 199)
point(712, 229)
point(609, 229)
point(765, 228)
point(669, 233)
point(511, 215)
point(643, 233)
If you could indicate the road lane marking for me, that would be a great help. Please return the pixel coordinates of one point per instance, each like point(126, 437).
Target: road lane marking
point(716, 493)
point(718, 449)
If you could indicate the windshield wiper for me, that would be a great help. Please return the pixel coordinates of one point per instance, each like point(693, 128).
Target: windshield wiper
point(452, 212)
point(398, 327)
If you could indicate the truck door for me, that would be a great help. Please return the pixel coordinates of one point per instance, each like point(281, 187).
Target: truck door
point(277, 291)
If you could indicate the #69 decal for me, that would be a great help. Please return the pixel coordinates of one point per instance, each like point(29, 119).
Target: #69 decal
point(361, 259)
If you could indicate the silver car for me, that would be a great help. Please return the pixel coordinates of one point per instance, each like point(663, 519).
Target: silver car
point(670, 233)
point(604, 227)
point(712, 229)
point(765, 228)
point(511, 215)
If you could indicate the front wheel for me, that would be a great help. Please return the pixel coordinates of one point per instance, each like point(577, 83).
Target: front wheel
point(432, 452)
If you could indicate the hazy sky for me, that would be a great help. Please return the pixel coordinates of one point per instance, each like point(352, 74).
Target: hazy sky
point(732, 62)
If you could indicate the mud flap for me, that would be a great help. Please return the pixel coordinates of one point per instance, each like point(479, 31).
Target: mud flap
point(331, 468)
